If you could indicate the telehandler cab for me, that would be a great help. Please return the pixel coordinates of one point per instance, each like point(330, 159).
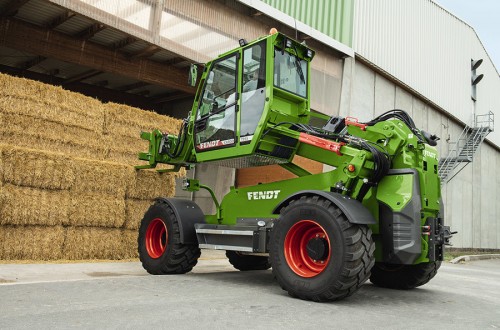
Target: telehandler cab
point(378, 215)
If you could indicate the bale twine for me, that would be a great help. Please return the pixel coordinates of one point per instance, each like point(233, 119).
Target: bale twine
point(96, 210)
point(97, 243)
point(34, 168)
point(134, 212)
point(31, 206)
point(31, 242)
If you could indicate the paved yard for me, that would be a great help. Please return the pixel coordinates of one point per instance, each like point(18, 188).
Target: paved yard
point(214, 296)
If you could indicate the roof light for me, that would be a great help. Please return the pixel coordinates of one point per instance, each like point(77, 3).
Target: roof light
point(243, 42)
point(273, 31)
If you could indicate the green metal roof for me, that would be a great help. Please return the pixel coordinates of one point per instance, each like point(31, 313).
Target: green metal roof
point(331, 17)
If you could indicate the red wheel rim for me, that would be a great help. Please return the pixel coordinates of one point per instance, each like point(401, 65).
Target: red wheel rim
point(156, 238)
point(296, 254)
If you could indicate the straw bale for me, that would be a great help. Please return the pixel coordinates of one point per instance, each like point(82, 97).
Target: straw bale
point(101, 177)
point(35, 168)
point(149, 184)
point(134, 212)
point(31, 242)
point(32, 98)
point(125, 149)
point(37, 133)
point(129, 238)
point(128, 121)
point(31, 206)
point(96, 243)
point(98, 210)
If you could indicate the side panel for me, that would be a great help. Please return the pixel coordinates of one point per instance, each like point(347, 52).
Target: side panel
point(400, 230)
point(188, 214)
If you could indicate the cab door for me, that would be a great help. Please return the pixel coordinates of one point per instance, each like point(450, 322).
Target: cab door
point(215, 125)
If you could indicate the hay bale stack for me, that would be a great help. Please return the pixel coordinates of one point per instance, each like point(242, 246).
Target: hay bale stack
point(67, 187)
point(31, 242)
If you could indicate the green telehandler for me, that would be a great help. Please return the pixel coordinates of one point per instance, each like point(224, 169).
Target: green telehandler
point(377, 215)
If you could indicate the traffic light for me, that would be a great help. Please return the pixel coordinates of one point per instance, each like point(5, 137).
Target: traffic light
point(475, 79)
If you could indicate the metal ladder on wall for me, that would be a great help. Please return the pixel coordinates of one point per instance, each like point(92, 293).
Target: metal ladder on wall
point(462, 151)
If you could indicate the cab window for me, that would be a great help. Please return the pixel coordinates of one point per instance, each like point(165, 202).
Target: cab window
point(290, 73)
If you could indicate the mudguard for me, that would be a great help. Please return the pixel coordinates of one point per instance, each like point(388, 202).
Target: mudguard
point(353, 209)
point(187, 213)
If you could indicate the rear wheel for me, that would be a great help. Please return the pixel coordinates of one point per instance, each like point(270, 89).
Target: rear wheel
point(247, 262)
point(160, 249)
point(317, 254)
point(403, 277)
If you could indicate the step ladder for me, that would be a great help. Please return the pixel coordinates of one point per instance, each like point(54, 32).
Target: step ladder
point(462, 151)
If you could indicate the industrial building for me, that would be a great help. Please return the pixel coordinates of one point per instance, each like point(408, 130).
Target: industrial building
point(371, 57)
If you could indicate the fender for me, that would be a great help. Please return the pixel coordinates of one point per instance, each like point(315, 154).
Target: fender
point(355, 211)
point(187, 213)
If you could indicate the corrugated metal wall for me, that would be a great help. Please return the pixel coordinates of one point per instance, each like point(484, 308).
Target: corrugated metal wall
point(429, 49)
point(332, 17)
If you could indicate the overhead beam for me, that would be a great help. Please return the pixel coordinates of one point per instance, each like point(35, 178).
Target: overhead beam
point(123, 43)
point(11, 8)
point(175, 60)
point(82, 76)
point(90, 31)
point(31, 63)
point(36, 40)
point(60, 20)
point(146, 52)
point(169, 97)
point(132, 86)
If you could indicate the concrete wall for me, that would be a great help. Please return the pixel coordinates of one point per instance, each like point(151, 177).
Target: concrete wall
point(472, 205)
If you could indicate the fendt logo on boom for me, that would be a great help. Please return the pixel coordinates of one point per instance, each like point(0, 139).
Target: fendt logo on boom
point(270, 194)
point(430, 154)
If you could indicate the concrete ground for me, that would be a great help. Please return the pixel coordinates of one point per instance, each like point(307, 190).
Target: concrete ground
point(215, 296)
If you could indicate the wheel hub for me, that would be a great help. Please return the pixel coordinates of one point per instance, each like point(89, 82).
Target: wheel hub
point(317, 249)
point(307, 248)
point(156, 238)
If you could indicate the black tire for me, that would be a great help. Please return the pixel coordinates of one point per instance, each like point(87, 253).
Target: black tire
point(343, 262)
point(247, 262)
point(160, 249)
point(403, 277)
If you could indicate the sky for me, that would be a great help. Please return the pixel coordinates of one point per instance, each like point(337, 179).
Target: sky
point(484, 17)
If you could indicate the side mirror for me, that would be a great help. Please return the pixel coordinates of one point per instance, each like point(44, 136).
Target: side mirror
point(193, 75)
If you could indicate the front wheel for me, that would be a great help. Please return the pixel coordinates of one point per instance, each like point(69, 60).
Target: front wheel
point(317, 254)
point(403, 277)
point(160, 249)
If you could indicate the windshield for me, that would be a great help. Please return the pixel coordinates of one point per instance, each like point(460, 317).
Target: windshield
point(290, 73)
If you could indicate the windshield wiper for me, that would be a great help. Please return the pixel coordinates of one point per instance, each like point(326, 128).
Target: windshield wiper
point(298, 67)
